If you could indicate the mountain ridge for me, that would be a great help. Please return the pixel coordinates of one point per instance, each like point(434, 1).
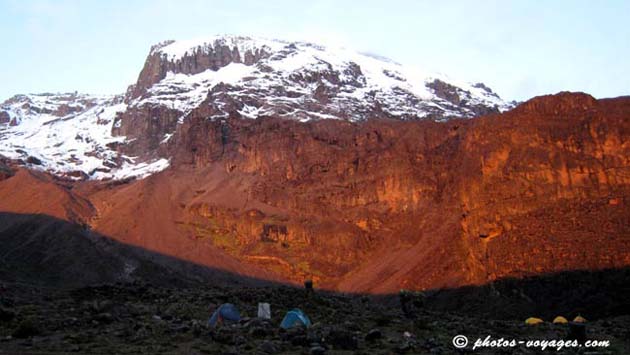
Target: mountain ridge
point(81, 136)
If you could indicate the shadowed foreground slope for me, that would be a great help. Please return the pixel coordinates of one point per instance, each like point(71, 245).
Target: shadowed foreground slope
point(161, 304)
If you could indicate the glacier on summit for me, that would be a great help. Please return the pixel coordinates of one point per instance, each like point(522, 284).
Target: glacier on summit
point(306, 81)
point(78, 136)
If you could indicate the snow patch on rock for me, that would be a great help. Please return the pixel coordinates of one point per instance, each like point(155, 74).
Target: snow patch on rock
point(313, 80)
point(70, 135)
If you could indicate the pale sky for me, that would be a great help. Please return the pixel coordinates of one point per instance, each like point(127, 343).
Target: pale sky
point(518, 48)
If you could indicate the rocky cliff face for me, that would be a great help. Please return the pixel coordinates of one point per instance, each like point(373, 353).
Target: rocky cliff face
point(197, 58)
point(475, 195)
point(563, 178)
point(386, 204)
point(253, 77)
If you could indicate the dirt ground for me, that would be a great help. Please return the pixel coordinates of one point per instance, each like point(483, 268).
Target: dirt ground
point(144, 319)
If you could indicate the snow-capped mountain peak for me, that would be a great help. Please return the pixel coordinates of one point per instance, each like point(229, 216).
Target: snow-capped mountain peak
point(98, 137)
point(304, 81)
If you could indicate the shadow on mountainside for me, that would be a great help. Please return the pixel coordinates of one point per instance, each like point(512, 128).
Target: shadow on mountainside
point(40, 250)
point(64, 288)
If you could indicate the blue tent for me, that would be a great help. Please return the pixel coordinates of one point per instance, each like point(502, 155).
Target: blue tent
point(226, 312)
point(294, 318)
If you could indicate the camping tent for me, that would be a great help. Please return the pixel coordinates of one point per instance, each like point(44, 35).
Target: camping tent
point(560, 320)
point(294, 318)
point(225, 312)
point(533, 321)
